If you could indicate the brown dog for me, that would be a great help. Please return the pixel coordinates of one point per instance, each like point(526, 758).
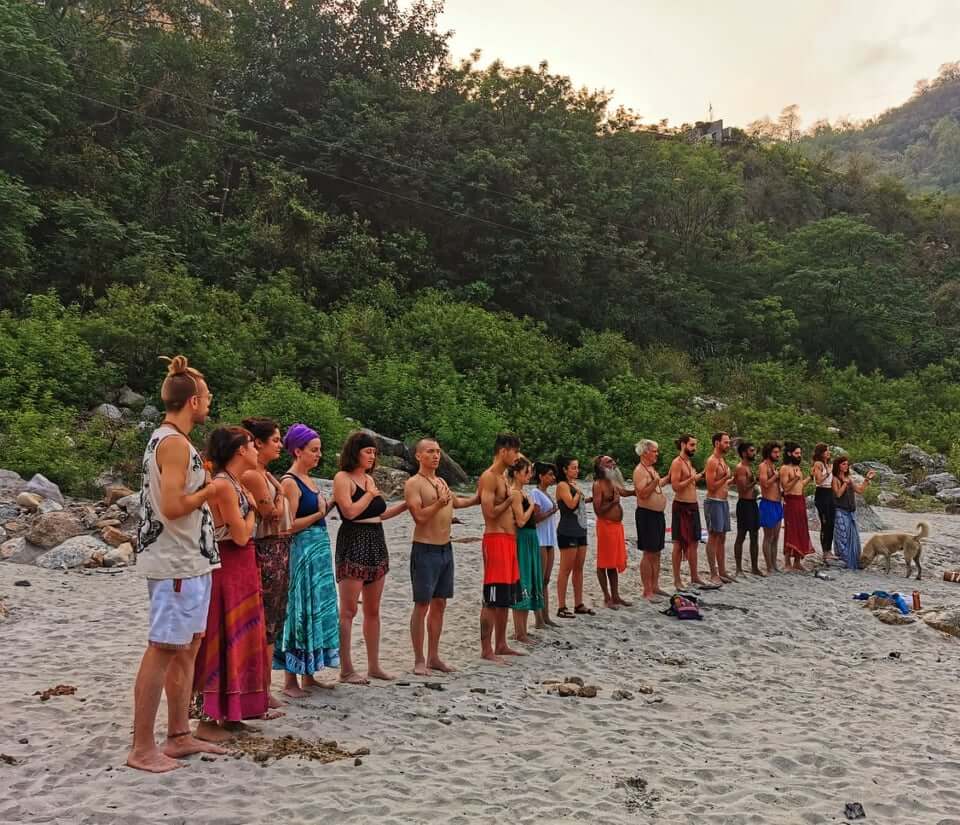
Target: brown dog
point(886, 544)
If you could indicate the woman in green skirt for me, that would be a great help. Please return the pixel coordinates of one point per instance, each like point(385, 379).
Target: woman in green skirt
point(310, 640)
point(528, 550)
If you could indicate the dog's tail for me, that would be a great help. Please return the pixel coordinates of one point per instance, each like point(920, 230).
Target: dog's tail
point(923, 530)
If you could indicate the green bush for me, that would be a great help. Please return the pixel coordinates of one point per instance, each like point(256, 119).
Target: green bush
point(288, 403)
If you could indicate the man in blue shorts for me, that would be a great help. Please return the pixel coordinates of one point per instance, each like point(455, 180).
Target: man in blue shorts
point(431, 558)
point(771, 503)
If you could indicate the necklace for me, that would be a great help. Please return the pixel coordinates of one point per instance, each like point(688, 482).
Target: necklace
point(169, 423)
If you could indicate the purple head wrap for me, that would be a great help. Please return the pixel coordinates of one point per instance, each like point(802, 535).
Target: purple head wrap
point(297, 437)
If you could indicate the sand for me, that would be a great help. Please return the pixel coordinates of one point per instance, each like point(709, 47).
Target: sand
point(781, 706)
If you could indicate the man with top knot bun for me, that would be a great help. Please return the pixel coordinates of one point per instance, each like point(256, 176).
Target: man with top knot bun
point(177, 553)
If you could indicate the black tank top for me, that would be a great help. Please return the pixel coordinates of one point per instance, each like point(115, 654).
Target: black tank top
point(374, 508)
point(529, 523)
point(569, 517)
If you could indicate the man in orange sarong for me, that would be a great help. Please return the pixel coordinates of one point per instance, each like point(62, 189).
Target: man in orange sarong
point(608, 489)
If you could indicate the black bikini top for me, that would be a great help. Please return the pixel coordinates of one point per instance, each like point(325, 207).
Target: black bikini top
point(373, 509)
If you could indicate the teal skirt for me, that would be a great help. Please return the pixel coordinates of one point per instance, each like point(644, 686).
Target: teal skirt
point(531, 570)
point(310, 640)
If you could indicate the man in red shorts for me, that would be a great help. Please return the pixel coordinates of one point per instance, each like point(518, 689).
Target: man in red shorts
point(501, 572)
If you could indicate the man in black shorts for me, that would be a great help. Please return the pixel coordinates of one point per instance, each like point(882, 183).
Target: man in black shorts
point(748, 513)
point(431, 558)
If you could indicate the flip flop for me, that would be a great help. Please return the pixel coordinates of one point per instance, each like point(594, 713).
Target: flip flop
point(583, 610)
point(564, 613)
point(709, 586)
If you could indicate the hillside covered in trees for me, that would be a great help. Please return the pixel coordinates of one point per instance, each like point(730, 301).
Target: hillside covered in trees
point(918, 142)
point(333, 218)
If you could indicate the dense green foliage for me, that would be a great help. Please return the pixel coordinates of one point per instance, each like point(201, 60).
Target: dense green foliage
point(332, 219)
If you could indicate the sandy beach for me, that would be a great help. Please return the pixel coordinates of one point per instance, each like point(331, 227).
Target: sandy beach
point(782, 705)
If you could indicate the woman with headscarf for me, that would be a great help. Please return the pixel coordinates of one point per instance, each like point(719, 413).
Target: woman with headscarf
point(310, 640)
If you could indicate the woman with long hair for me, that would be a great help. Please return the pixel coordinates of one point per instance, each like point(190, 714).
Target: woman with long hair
point(528, 549)
point(271, 534)
point(310, 640)
point(362, 560)
point(571, 538)
point(846, 537)
point(232, 675)
point(545, 476)
point(823, 497)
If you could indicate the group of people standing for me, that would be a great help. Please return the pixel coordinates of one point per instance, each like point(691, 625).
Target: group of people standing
point(241, 579)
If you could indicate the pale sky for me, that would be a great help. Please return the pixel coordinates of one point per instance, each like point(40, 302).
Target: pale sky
point(750, 58)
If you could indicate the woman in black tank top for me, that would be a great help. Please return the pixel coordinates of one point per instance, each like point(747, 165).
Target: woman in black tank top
point(362, 560)
point(571, 537)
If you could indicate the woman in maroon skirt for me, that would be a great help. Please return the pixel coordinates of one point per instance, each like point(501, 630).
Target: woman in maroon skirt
point(231, 668)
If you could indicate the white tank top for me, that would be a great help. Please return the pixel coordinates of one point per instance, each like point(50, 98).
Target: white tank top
point(174, 548)
point(828, 478)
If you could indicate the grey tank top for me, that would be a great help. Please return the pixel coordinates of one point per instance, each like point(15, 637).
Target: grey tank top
point(848, 501)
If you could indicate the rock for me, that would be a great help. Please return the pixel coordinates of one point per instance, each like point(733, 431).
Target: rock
point(11, 483)
point(149, 414)
point(116, 492)
point(868, 521)
point(587, 692)
point(478, 690)
point(622, 695)
point(912, 458)
point(115, 537)
point(53, 529)
point(22, 583)
point(48, 505)
point(891, 615)
point(886, 498)
point(567, 690)
point(129, 504)
point(389, 481)
point(12, 547)
point(643, 687)
point(936, 483)
point(953, 509)
point(3, 535)
point(833, 430)
point(126, 397)
point(949, 496)
point(946, 620)
point(449, 470)
point(885, 474)
point(45, 488)
point(357, 762)
point(122, 556)
point(74, 552)
point(702, 403)
point(108, 411)
point(29, 502)
point(574, 680)
point(8, 511)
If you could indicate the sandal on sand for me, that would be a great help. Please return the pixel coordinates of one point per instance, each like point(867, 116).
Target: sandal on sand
point(564, 613)
point(584, 610)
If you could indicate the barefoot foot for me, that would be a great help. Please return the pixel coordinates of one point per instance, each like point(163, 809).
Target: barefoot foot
point(212, 732)
point(492, 657)
point(353, 678)
point(177, 746)
point(441, 666)
point(382, 675)
point(505, 650)
point(295, 692)
point(274, 702)
point(153, 761)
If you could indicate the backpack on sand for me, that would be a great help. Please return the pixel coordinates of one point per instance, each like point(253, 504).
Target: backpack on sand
point(683, 606)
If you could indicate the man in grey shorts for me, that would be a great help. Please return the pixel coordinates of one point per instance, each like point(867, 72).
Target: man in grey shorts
point(177, 553)
point(716, 508)
point(431, 558)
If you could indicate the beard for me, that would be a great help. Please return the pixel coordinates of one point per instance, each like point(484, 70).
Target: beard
point(613, 475)
point(690, 453)
point(790, 459)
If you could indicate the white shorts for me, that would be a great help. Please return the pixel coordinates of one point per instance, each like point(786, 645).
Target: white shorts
point(178, 609)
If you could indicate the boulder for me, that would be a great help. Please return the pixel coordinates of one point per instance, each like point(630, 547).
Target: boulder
point(11, 483)
point(115, 492)
point(868, 520)
point(702, 403)
point(8, 511)
point(11, 547)
point(449, 470)
point(912, 458)
point(130, 503)
point(74, 552)
point(390, 481)
point(126, 397)
point(29, 502)
point(936, 482)
point(45, 488)
point(121, 556)
point(946, 620)
point(949, 496)
point(115, 537)
point(884, 474)
point(108, 411)
point(886, 498)
point(48, 505)
point(52, 529)
point(149, 413)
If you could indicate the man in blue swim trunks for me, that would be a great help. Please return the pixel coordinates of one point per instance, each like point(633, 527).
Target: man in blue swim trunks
point(771, 504)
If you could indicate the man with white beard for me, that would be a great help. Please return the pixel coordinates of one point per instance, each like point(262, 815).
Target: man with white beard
point(608, 489)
